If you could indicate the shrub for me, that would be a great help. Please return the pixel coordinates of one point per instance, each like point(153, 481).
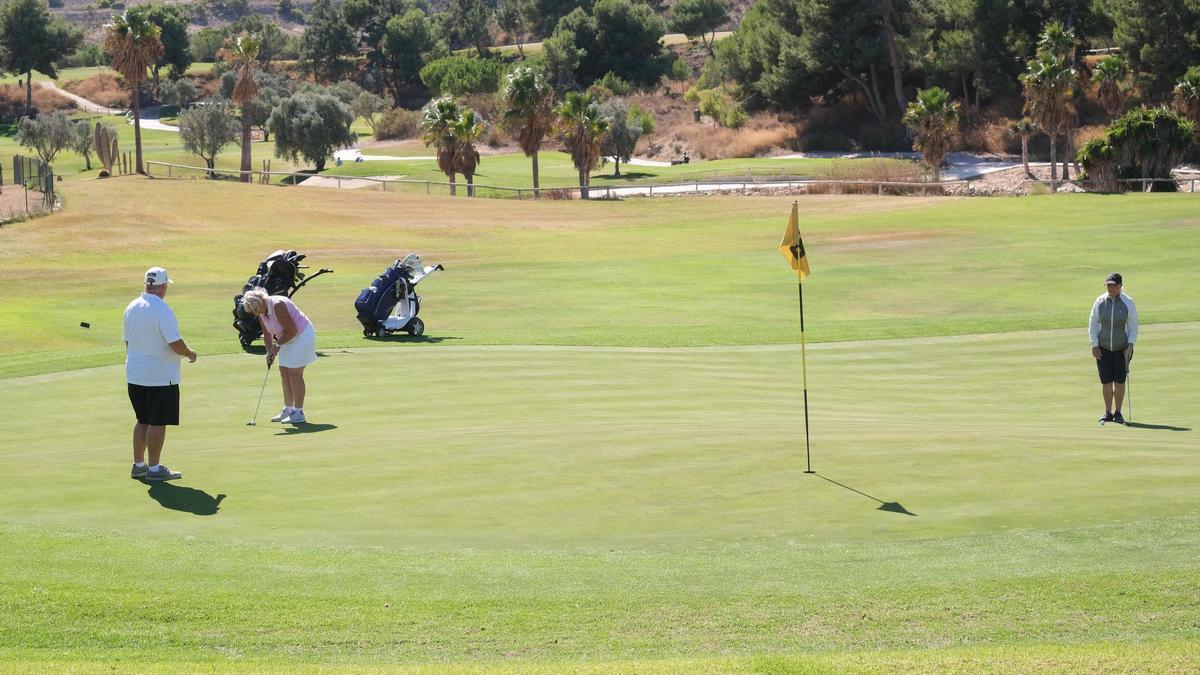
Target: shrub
point(398, 123)
point(461, 75)
point(12, 101)
point(719, 105)
point(1143, 143)
point(103, 88)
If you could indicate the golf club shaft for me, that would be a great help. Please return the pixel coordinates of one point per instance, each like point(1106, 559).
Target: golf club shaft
point(1129, 389)
point(260, 393)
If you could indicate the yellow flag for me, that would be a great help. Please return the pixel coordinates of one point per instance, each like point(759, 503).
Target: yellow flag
point(792, 247)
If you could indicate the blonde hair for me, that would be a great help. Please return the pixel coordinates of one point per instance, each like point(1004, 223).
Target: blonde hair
point(255, 300)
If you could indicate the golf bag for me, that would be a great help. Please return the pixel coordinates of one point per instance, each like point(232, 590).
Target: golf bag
point(391, 304)
point(279, 274)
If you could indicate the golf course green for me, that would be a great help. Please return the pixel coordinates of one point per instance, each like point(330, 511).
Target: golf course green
point(594, 461)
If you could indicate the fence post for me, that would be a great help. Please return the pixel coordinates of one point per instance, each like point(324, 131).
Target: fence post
point(426, 187)
point(880, 188)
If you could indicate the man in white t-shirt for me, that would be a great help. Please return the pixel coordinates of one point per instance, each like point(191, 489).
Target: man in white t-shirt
point(153, 349)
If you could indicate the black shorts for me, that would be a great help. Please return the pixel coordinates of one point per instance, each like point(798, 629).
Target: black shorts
point(1112, 366)
point(156, 406)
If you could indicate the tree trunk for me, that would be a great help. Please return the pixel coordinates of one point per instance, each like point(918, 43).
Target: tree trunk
point(1053, 159)
point(211, 161)
point(617, 163)
point(536, 191)
point(87, 161)
point(137, 128)
point(470, 184)
point(1025, 155)
point(894, 56)
point(453, 185)
point(157, 83)
point(878, 97)
point(872, 103)
point(320, 165)
point(966, 94)
point(29, 93)
point(247, 163)
point(1066, 175)
point(583, 184)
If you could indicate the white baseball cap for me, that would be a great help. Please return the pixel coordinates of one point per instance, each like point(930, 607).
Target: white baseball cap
point(157, 276)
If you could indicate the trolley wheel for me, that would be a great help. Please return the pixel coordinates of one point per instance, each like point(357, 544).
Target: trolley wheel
point(380, 332)
point(416, 327)
point(367, 332)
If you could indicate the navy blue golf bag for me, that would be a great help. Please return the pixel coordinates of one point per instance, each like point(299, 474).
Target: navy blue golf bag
point(390, 304)
point(375, 302)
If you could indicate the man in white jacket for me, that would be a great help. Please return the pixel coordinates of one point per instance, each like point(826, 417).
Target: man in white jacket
point(1113, 328)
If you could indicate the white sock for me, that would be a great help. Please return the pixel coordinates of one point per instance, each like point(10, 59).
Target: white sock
point(155, 467)
point(139, 464)
point(288, 409)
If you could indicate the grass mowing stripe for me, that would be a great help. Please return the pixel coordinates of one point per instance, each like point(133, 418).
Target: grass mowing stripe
point(623, 274)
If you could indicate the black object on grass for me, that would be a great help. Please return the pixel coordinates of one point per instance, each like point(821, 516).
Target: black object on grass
point(84, 324)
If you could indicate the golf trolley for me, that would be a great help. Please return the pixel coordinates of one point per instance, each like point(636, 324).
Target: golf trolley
point(390, 304)
point(279, 274)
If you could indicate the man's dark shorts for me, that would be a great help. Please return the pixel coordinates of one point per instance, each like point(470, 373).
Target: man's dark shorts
point(1112, 366)
point(156, 406)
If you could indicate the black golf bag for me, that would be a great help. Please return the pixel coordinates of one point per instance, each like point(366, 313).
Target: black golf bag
point(279, 274)
point(391, 304)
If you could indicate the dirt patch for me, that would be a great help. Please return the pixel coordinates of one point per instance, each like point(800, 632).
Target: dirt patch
point(13, 203)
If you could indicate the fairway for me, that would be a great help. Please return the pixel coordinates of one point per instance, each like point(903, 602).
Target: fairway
point(595, 462)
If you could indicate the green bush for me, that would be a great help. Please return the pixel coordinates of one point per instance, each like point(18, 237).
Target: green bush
point(1143, 143)
point(719, 105)
point(462, 75)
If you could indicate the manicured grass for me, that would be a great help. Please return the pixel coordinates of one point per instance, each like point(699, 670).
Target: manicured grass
point(64, 74)
point(556, 170)
point(685, 271)
point(595, 462)
point(161, 146)
point(521, 504)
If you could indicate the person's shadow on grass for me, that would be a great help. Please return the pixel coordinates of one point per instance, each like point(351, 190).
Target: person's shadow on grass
point(305, 428)
point(180, 498)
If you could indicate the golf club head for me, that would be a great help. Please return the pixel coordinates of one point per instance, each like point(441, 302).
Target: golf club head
point(251, 423)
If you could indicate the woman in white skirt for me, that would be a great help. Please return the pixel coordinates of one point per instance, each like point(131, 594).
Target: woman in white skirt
point(290, 336)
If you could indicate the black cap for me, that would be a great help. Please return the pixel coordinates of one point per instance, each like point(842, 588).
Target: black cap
point(1114, 278)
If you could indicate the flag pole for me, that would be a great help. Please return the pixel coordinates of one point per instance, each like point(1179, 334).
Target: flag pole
point(804, 369)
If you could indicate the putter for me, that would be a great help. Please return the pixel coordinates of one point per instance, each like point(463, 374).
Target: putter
point(1129, 391)
point(254, 420)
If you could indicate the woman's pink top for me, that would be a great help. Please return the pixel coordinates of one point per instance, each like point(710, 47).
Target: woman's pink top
point(270, 320)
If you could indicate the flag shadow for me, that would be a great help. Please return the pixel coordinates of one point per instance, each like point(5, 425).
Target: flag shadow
point(890, 507)
point(1164, 427)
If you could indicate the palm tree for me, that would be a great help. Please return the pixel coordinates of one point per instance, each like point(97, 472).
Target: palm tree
point(1187, 94)
point(438, 120)
point(133, 41)
point(528, 104)
point(1058, 40)
point(1111, 74)
point(1024, 128)
point(933, 118)
point(583, 127)
point(241, 53)
point(1049, 87)
point(466, 131)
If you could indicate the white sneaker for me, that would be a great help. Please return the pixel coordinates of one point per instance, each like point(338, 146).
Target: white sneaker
point(296, 417)
point(281, 416)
